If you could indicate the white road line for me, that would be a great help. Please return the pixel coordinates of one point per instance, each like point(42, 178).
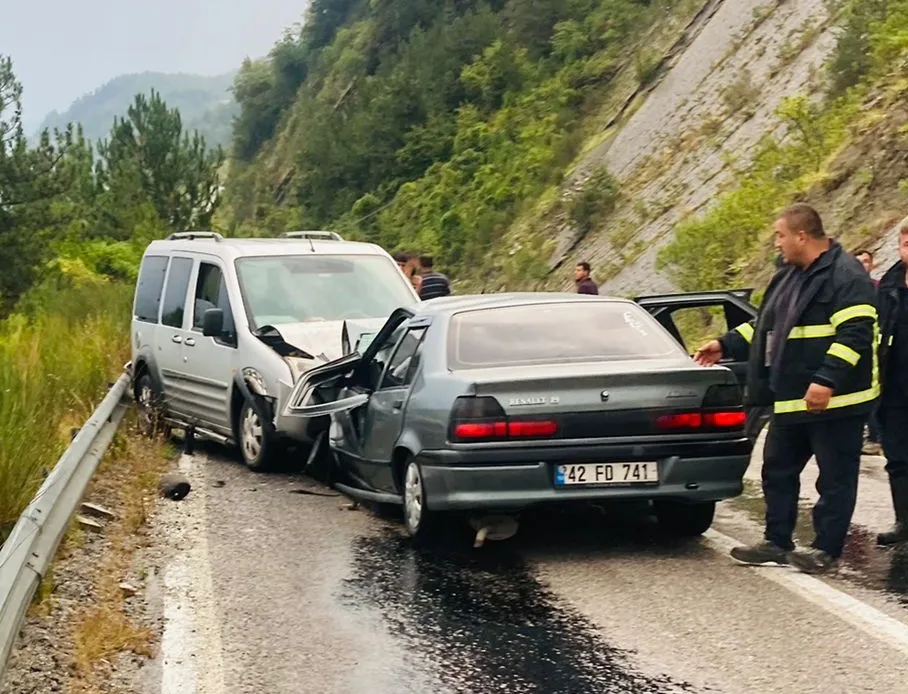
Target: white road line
point(856, 612)
point(191, 652)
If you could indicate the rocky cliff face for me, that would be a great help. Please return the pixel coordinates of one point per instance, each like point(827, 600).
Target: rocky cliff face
point(679, 141)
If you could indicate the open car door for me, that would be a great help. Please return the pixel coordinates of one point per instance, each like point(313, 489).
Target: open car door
point(694, 317)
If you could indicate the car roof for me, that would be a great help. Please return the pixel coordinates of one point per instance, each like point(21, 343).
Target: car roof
point(231, 248)
point(453, 304)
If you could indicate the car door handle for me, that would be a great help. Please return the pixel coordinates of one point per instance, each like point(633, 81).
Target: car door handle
point(190, 342)
point(397, 404)
point(176, 338)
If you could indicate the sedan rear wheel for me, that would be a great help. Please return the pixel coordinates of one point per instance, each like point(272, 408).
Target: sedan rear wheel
point(419, 520)
point(684, 519)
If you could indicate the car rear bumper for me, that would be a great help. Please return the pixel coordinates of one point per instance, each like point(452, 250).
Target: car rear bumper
point(459, 480)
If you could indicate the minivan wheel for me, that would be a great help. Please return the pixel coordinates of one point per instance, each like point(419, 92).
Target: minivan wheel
point(148, 405)
point(256, 446)
point(421, 523)
point(684, 519)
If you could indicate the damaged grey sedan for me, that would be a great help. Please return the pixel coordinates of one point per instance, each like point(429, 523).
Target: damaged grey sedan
point(223, 328)
point(484, 406)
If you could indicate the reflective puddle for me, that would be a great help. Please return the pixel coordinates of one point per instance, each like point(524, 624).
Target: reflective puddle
point(479, 621)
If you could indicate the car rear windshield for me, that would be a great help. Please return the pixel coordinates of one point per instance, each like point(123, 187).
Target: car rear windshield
point(310, 288)
point(554, 333)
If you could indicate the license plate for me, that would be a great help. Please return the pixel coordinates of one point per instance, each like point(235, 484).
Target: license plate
point(606, 473)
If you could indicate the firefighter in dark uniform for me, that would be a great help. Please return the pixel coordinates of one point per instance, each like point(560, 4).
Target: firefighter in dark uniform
point(892, 305)
point(811, 356)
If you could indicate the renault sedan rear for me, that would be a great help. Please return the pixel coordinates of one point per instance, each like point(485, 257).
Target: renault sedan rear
point(502, 402)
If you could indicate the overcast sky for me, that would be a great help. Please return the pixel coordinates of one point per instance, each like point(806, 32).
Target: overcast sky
point(62, 49)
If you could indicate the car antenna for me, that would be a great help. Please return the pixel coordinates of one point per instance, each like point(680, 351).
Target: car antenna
point(311, 245)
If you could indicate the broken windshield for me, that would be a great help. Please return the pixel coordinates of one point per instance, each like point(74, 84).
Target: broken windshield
point(297, 289)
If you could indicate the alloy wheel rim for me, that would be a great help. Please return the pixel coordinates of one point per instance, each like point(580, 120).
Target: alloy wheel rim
point(413, 497)
point(252, 435)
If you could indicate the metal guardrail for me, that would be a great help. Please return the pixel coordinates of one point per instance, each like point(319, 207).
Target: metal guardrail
point(31, 546)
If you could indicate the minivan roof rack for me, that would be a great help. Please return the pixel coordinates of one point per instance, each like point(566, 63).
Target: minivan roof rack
point(322, 235)
point(190, 235)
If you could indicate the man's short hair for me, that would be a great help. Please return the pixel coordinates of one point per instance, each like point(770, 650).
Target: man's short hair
point(903, 227)
point(426, 261)
point(585, 265)
point(401, 257)
point(803, 217)
point(863, 251)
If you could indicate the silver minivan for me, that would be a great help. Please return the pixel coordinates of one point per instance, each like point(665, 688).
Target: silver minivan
point(222, 328)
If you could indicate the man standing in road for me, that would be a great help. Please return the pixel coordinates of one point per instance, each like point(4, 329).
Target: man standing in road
point(434, 284)
point(583, 280)
point(812, 357)
point(892, 304)
point(872, 445)
point(866, 259)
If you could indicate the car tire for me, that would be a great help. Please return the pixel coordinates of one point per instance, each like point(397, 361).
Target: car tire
point(149, 405)
point(685, 519)
point(420, 522)
point(257, 446)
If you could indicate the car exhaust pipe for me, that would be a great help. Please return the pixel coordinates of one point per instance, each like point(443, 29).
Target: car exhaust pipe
point(493, 527)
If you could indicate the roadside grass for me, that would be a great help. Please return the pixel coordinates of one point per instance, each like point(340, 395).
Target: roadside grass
point(58, 353)
point(126, 483)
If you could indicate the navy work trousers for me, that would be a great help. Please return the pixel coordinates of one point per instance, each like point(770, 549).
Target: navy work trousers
point(837, 444)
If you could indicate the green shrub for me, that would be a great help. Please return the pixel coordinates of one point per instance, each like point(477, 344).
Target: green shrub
point(57, 356)
point(596, 201)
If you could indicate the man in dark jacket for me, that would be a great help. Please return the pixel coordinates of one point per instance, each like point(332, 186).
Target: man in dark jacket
point(583, 280)
point(812, 358)
point(434, 284)
point(892, 305)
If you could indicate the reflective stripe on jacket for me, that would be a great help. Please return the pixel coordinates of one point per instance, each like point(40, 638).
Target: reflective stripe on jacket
point(832, 342)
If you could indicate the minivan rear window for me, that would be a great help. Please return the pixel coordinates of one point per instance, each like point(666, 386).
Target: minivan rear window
point(555, 333)
point(314, 288)
point(149, 287)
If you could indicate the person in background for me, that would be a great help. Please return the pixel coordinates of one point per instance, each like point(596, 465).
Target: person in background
point(409, 265)
point(415, 271)
point(434, 284)
point(811, 356)
point(583, 280)
point(866, 258)
point(892, 305)
point(872, 444)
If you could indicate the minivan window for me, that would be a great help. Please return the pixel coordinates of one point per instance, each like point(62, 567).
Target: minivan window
point(148, 288)
point(175, 294)
point(311, 288)
point(211, 292)
point(555, 333)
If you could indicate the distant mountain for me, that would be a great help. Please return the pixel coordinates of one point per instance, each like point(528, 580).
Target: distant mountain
point(205, 104)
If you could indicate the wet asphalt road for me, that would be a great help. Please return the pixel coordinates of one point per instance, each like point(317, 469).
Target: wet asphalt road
point(278, 587)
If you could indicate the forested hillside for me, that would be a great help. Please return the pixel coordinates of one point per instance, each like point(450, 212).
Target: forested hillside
point(429, 123)
point(74, 220)
point(205, 104)
point(486, 132)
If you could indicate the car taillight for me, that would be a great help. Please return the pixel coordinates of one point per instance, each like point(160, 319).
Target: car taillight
point(684, 420)
point(483, 419)
point(725, 420)
point(732, 419)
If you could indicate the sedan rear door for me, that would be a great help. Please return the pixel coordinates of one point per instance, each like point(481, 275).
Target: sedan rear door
point(695, 317)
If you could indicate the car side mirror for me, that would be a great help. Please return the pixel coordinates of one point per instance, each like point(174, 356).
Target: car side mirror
point(213, 322)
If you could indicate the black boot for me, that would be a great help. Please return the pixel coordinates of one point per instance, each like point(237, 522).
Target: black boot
point(899, 533)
